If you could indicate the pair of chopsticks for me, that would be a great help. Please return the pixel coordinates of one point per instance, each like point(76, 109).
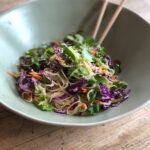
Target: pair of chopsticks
point(110, 23)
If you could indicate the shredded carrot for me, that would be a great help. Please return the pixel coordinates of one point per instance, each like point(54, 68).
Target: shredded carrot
point(12, 74)
point(27, 95)
point(60, 60)
point(83, 106)
point(102, 71)
point(36, 75)
point(93, 52)
point(84, 90)
point(113, 77)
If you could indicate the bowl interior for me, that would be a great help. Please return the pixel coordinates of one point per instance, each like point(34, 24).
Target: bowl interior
point(44, 21)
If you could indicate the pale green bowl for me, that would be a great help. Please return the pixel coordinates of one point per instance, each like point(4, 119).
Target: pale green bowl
point(46, 20)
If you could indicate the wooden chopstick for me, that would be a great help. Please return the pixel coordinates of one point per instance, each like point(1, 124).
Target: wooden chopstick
point(100, 17)
point(112, 20)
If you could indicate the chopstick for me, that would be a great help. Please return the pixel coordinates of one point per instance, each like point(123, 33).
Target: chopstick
point(100, 17)
point(111, 22)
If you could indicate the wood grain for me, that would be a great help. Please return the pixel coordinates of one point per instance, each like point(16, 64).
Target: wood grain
point(129, 133)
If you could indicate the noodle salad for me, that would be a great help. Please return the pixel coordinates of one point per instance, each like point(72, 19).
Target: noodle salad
point(73, 76)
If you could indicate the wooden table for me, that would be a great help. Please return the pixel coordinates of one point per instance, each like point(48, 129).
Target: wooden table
point(129, 133)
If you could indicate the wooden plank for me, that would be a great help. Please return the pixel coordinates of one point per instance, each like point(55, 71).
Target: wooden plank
point(2, 109)
point(127, 134)
point(15, 130)
point(6, 4)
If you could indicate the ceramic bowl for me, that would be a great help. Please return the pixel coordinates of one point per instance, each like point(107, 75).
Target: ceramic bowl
point(43, 21)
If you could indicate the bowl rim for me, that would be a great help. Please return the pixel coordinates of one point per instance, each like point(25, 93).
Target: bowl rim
point(21, 113)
